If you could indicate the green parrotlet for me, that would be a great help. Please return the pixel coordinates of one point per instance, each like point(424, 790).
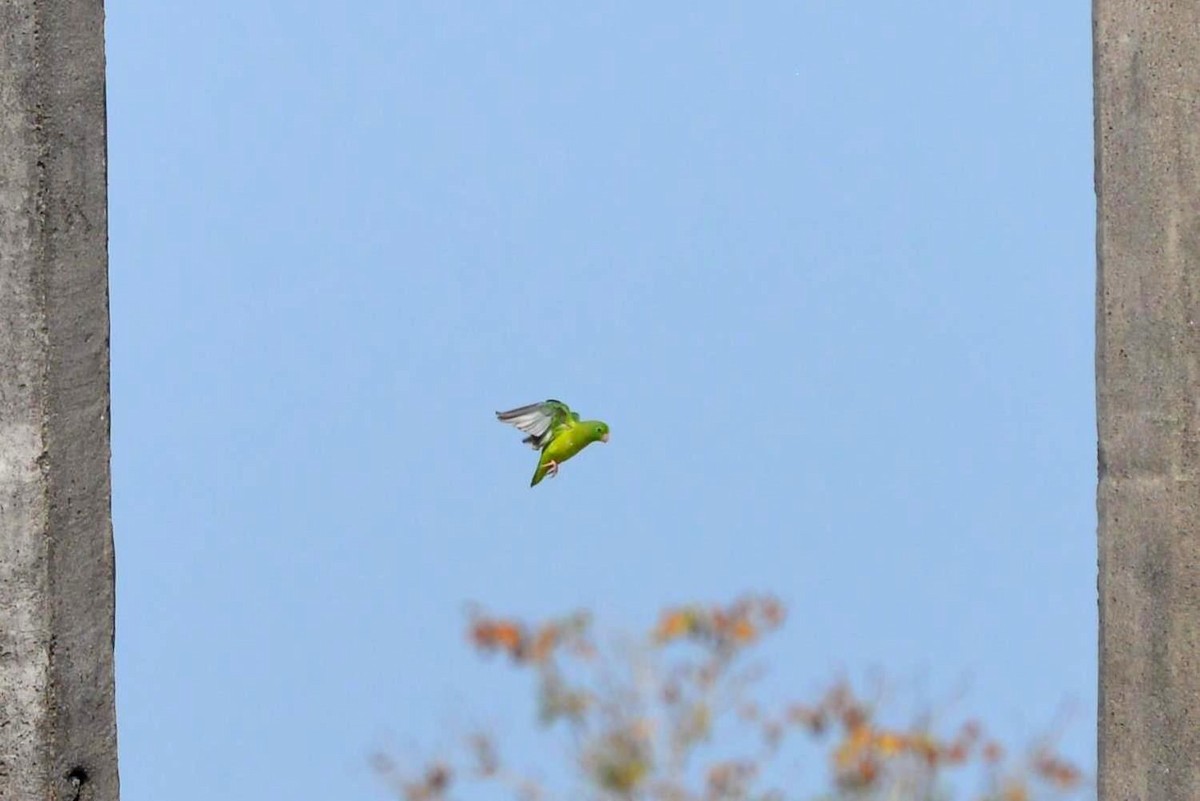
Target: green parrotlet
point(556, 431)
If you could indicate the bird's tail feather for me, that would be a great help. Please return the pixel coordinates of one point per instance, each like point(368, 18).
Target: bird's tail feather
point(543, 468)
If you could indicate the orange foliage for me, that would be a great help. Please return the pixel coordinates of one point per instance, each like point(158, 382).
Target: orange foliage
point(523, 644)
point(636, 737)
point(1056, 770)
point(501, 635)
point(728, 628)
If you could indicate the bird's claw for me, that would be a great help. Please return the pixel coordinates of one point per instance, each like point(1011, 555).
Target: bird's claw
point(552, 468)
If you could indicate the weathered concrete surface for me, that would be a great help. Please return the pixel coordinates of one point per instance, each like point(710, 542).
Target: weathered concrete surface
point(57, 720)
point(1147, 85)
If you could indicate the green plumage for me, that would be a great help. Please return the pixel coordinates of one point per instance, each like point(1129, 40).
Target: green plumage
point(556, 431)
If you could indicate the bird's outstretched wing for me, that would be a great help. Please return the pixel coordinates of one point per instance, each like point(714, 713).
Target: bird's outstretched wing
point(539, 420)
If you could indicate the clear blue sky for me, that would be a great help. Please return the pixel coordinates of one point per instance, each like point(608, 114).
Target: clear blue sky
point(825, 268)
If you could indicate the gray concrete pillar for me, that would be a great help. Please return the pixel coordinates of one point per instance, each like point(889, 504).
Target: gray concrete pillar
point(1147, 105)
point(57, 720)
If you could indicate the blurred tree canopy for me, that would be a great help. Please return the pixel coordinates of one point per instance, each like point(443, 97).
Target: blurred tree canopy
point(674, 719)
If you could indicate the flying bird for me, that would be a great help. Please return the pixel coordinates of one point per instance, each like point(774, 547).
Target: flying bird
point(556, 431)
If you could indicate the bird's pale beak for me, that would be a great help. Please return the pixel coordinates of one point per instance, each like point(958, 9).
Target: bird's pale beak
point(604, 437)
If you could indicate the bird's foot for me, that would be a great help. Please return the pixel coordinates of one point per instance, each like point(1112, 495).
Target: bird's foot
point(552, 468)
